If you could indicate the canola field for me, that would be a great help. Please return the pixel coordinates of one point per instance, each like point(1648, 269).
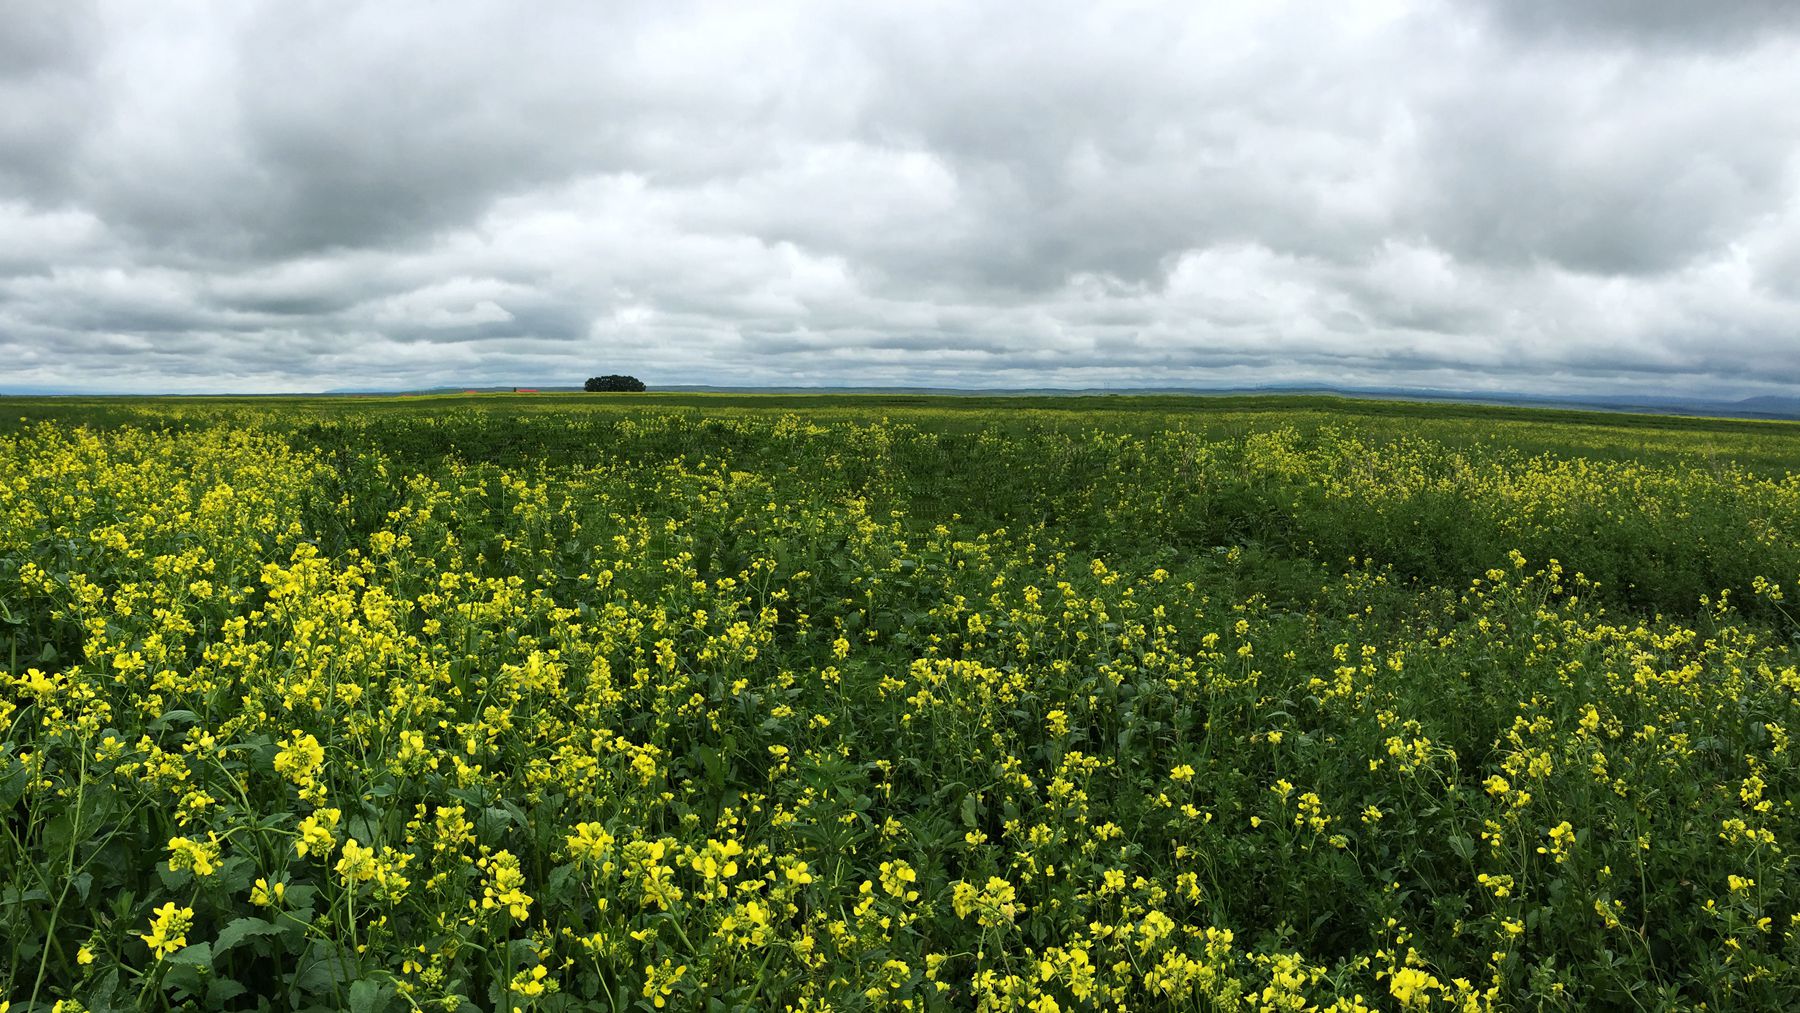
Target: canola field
point(739, 704)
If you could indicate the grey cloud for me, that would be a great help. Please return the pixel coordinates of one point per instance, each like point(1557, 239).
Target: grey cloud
point(281, 197)
point(1673, 23)
point(47, 93)
point(43, 36)
point(1112, 140)
point(1627, 166)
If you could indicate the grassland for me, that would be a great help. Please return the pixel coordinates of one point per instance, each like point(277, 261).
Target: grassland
point(805, 702)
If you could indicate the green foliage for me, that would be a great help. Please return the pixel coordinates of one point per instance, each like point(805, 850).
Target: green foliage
point(702, 705)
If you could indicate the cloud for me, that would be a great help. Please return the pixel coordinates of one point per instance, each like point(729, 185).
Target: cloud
point(1555, 197)
point(1667, 23)
point(1629, 165)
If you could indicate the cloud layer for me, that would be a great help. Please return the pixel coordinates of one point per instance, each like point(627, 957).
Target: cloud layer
point(1557, 196)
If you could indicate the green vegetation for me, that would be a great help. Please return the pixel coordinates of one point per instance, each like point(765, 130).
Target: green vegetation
point(738, 702)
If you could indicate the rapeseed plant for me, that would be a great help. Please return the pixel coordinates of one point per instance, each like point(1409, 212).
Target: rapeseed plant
point(759, 716)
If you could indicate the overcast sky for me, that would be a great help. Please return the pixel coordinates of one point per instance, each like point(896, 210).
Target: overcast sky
point(1536, 195)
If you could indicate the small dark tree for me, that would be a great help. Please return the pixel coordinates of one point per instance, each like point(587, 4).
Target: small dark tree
point(596, 384)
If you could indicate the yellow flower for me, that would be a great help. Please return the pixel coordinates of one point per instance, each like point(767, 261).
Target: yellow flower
point(1562, 838)
point(168, 929)
point(589, 843)
point(1411, 987)
point(660, 981)
point(503, 887)
point(200, 856)
point(531, 984)
point(897, 878)
point(358, 863)
point(992, 905)
point(264, 895)
point(300, 761)
point(718, 860)
point(316, 833)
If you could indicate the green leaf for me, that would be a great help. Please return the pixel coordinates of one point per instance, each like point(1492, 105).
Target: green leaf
point(197, 955)
point(236, 874)
point(100, 997)
point(12, 782)
point(240, 929)
point(367, 996)
point(327, 974)
point(222, 991)
point(1463, 846)
point(559, 879)
point(174, 717)
point(57, 833)
point(714, 765)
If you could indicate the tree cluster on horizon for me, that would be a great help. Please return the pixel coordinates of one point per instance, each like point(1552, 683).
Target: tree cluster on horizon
point(613, 382)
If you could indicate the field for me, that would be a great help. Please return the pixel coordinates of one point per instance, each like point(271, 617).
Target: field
point(809, 703)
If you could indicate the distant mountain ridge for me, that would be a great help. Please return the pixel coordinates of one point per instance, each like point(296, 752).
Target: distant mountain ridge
point(1770, 406)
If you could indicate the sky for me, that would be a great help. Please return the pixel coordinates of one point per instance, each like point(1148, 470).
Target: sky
point(1547, 196)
